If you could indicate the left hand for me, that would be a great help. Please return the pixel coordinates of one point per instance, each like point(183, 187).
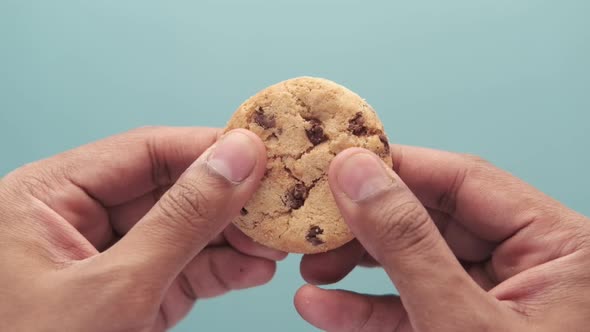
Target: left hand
point(468, 246)
point(62, 264)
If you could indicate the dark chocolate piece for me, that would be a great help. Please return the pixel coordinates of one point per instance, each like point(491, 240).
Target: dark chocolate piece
point(296, 197)
point(315, 133)
point(357, 125)
point(263, 120)
point(312, 235)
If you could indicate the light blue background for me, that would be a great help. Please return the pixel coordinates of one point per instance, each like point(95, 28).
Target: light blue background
point(508, 80)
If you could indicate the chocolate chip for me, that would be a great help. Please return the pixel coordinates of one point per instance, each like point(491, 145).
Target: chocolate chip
point(263, 120)
point(357, 125)
point(295, 198)
point(244, 212)
point(385, 142)
point(312, 235)
point(315, 133)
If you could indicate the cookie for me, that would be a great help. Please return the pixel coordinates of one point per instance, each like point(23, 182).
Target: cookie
point(304, 123)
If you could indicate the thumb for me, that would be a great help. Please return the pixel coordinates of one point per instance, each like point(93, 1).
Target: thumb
point(197, 208)
point(397, 231)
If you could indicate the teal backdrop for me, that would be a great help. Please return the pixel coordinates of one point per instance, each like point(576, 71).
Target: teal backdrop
point(507, 80)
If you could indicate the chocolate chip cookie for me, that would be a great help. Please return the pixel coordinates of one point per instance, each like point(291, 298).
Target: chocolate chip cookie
point(304, 122)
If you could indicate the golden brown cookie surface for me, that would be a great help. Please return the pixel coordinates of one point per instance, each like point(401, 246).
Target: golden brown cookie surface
point(304, 122)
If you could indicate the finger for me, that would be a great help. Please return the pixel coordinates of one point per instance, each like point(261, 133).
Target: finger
point(123, 217)
point(397, 231)
point(80, 183)
point(197, 208)
point(335, 310)
point(332, 266)
point(441, 219)
point(214, 272)
point(217, 271)
point(490, 205)
point(126, 166)
point(369, 261)
point(36, 236)
point(244, 244)
point(40, 182)
point(465, 245)
point(489, 202)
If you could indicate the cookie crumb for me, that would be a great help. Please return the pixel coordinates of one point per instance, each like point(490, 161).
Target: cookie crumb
point(315, 133)
point(263, 120)
point(295, 198)
point(357, 126)
point(312, 235)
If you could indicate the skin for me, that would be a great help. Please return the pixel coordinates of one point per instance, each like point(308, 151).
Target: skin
point(125, 234)
point(468, 246)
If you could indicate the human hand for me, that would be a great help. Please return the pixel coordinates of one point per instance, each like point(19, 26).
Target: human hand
point(468, 246)
point(117, 236)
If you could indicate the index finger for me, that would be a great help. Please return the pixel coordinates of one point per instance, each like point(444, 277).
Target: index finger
point(125, 166)
point(487, 201)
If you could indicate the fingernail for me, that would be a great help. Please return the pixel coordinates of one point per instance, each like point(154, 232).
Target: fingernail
point(362, 176)
point(233, 157)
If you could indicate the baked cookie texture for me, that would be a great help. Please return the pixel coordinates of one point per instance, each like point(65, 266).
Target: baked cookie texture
point(304, 123)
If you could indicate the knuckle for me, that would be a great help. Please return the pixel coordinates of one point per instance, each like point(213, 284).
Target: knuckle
point(40, 178)
point(406, 226)
point(38, 184)
point(161, 174)
point(212, 280)
point(447, 201)
point(145, 129)
point(568, 226)
point(186, 287)
point(474, 159)
point(478, 168)
point(218, 277)
point(473, 168)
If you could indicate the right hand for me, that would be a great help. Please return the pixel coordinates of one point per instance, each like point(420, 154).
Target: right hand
point(468, 246)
